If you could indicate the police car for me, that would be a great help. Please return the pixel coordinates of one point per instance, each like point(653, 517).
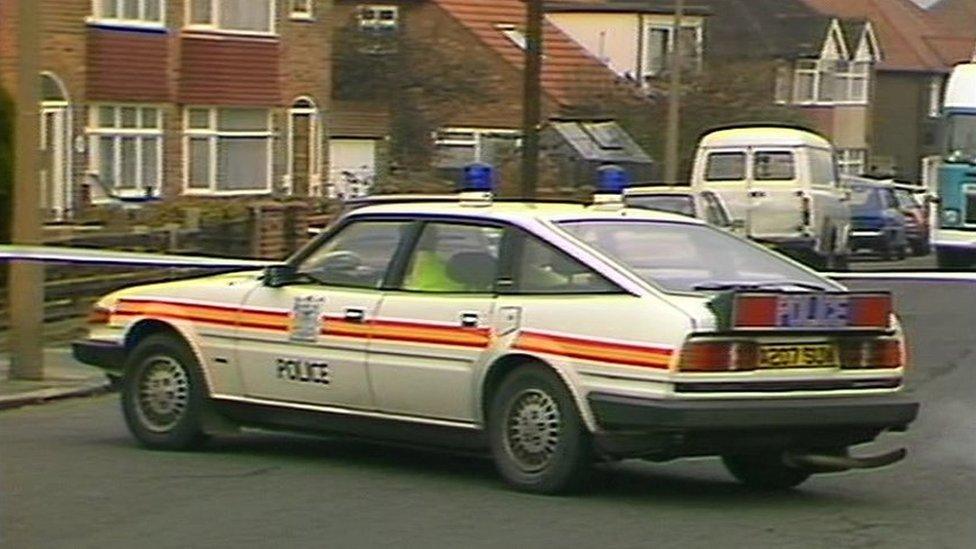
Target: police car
point(551, 335)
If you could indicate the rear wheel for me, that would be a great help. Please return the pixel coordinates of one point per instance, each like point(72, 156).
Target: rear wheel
point(163, 394)
point(765, 471)
point(538, 440)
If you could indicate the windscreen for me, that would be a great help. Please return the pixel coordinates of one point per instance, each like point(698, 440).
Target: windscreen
point(864, 199)
point(683, 257)
point(961, 138)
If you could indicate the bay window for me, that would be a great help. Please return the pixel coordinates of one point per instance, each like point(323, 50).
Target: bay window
point(250, 16)
point(852, 82)
point(228, 150)
point(824, 81)
point(126, 142)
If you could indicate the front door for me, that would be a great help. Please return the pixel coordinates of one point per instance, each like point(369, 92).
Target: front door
point(55, 199)
point(432, 334)
point(304, 149)
point(306, 342)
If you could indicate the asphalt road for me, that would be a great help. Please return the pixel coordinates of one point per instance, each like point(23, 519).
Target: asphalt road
point(72, 477)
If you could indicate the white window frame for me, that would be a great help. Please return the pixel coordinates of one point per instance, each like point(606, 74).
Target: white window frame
point(514, 35)
point(848, 160)
point(96, 132)
point(141, 22)
point(378, 23)
point(476, 140)
point(852, 72)
point(669, 46)
point(214, 25)
point(213, 135)
point(301, 10)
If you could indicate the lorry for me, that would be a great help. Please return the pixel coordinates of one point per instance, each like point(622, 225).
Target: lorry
point(783, 183)
point(954, 237)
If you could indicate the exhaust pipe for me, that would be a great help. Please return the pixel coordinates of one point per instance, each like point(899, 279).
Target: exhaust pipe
point(827, 463)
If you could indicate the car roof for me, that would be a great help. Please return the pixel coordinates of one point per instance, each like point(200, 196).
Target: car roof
point(763, 136)
point(521, 211)
point(661, 189)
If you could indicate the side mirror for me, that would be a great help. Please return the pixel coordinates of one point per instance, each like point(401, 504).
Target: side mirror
point(277, 276)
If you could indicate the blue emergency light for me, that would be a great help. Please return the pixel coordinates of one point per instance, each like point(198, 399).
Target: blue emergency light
point(612, 179)
point(478, 177)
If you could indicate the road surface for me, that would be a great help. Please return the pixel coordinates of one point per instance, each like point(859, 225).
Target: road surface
point(72, 477)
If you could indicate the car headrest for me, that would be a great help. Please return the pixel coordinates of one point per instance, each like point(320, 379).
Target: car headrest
point(476, 270)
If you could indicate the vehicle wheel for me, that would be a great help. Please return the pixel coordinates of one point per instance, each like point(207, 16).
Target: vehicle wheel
point(538, 441)
point(764, 471)
point(163, 394)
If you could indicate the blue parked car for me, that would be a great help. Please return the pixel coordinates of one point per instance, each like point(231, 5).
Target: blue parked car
point(877, 221)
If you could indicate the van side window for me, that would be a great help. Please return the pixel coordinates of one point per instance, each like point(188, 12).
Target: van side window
point(774, 166)
point(725, 166)
point(823, 168)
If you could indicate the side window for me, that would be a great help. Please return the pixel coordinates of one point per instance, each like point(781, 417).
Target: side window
point(714, 213)
point(358, 256)
point(774, 166)
point(823, 168)
point(454, 258)
point(542, 269)
point(725, 166)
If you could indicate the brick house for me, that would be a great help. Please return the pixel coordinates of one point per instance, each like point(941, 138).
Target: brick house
point(485, 41)
point(178, 97)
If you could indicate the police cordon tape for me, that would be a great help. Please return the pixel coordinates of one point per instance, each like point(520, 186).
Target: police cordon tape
point(62, 254)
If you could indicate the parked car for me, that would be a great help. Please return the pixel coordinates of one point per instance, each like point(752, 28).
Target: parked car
point(915, 207)
point(783, 183)
point(877, 221)
point(704, 205)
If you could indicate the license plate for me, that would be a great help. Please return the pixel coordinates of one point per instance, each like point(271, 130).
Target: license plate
point(799, 356)
point(812, 311)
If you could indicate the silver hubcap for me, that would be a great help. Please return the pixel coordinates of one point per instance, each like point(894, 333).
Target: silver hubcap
point(532, 430)
point(164, 393)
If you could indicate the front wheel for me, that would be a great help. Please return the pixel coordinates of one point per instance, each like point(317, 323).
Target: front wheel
point(163, 394)
point(764, 471)
point(538, 440)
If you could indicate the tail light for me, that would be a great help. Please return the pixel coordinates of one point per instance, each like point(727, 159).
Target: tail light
point(719, 356)
point(99, 315)
point(806, 209)
point(872, 354)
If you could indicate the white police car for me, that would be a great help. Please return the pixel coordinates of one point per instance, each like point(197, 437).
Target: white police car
point(551, 334)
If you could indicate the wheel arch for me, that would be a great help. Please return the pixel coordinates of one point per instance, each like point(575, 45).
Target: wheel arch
point(146, 327)
point(506, 364)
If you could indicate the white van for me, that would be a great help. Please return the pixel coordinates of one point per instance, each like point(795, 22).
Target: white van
point(782, 182)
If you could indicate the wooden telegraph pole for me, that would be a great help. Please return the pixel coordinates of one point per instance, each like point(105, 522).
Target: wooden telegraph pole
point(531, 98)
point(26, 290)
point(674, 98)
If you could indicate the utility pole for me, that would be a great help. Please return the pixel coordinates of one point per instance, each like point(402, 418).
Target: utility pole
point(674, 98)
point(26, 289)
point(531, 98)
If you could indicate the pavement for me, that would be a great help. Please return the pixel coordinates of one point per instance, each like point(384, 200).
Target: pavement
point(63, 377)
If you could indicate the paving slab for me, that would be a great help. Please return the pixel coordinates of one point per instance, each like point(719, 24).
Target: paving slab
point(64, 377)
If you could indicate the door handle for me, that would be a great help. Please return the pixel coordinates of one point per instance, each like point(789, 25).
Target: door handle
point(757, 194)
point(470, 320)
point(355, 315)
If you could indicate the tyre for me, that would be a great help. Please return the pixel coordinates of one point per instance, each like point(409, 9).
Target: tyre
point(163, 394)
point(764, 471)
point(538, 441)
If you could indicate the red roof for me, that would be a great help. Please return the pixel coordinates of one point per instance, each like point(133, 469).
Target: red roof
point(910, 38)
point(569, 72)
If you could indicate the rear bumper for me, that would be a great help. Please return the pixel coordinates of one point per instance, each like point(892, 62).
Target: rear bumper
point(614, 412)
point(103, 354)
point(661, 430)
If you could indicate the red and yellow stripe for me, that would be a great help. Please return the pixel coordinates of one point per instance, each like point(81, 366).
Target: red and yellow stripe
point(598, 351)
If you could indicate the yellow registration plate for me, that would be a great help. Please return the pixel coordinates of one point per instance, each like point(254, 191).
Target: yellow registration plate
point(799, 356)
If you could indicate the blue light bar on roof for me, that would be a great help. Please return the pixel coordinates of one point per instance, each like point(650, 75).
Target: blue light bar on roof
point(478, 177)
point(612, 179)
